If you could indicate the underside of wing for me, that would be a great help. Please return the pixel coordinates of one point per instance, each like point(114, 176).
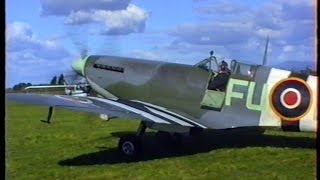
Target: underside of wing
point(84, 104)
point(113, 107)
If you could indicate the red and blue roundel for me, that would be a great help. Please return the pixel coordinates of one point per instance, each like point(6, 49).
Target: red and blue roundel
point(291, 99)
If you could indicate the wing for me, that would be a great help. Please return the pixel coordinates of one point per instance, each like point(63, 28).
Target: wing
point(54, 86)
point(48, 86)
point(114, 107)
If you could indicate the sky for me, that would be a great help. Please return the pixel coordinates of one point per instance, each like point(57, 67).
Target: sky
point(43, 37)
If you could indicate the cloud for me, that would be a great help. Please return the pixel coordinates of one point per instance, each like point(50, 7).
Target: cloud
point(288, 48)
point(223, 8)
point(28, 57)
point(301, 11)
point(297, 52)
point(19, 37)
point(289, 24)
point(20, 68)
point(65, 7)
point(119, 22)
point(117, 17)
point(179, 52)
point(25, 66)
point(143, 54)
point(213, 32)
point(288, 19)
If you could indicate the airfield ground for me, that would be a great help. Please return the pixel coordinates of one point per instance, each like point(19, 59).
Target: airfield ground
point(82, 146)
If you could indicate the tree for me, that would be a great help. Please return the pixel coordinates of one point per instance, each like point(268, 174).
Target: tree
point(53, 80)
point(61, 79)
point(308, 71)
point(21, 86)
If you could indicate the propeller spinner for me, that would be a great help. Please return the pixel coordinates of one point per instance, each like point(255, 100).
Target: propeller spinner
point(78, 66)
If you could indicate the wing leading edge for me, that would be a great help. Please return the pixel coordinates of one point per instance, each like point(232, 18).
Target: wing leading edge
point(114, 107)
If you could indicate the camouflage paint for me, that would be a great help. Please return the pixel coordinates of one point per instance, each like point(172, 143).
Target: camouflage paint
point(250, 94)
point(161, 83)
point(237, 114)
point(181, 88)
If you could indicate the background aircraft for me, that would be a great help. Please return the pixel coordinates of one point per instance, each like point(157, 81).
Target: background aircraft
point(177, 98)
point(73, 90)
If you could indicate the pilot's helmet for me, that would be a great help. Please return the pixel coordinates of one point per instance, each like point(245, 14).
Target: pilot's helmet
point(223, 65)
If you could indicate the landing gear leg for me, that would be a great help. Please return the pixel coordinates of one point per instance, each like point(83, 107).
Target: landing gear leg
point(50, 112)
point(141, 129)
point(131, 145)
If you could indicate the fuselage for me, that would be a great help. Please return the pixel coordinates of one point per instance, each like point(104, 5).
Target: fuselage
point(177, 86)
point(182, 88)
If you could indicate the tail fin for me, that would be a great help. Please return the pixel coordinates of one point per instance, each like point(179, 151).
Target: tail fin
point(265, 53)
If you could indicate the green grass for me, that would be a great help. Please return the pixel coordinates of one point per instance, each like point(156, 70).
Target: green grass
point(82, 146)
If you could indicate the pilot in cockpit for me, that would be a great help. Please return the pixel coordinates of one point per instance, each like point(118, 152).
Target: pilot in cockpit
point(219, 82)
point(223, 68)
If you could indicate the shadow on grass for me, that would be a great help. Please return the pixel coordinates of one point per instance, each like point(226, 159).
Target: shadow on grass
point(154, 148)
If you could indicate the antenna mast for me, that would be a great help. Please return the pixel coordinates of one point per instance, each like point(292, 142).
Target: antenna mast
point(265, 52)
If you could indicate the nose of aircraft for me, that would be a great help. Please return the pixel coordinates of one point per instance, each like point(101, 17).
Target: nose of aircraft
point(78, 66)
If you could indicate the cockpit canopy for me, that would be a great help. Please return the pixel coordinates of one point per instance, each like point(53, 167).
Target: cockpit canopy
point(209, 64)
point(244, 70)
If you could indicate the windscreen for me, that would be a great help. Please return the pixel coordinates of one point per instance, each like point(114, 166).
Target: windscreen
point(208, 64)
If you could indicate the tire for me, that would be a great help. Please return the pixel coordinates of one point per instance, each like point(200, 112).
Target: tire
point(130, 146)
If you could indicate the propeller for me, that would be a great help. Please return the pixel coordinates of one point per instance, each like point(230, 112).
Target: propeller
point(84, 53)
point(78, 36)
point(81, 46)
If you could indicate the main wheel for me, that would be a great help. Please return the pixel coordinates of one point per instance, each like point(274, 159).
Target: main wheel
point(130, 146)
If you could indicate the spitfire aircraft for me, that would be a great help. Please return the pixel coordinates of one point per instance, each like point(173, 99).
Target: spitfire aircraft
point(178, 98)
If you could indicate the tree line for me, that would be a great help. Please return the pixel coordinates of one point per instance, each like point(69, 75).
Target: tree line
point(54, 81)
point(308, 71)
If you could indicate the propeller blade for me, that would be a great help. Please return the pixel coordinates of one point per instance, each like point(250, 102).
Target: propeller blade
point(84, 53)
point(79, 38)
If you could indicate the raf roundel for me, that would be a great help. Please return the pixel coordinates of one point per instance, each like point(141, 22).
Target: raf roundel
point(291, 99)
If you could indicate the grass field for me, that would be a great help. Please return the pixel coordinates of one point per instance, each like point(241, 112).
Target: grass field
point(82, 146)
